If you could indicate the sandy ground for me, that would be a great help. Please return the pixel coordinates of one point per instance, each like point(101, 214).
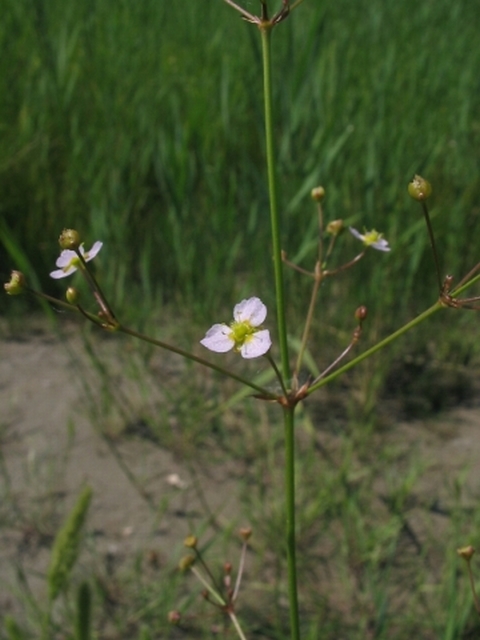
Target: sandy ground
point(50, 449)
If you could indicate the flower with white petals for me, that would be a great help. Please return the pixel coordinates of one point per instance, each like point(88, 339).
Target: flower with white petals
point(243, 334)
point(69, 261)
point(371, 239)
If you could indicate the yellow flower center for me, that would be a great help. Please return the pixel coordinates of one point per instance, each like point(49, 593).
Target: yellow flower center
point(242, 332)
point(74, 262)
point(371, 237)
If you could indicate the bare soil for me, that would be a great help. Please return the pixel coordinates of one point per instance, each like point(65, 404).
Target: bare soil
point(50, 448)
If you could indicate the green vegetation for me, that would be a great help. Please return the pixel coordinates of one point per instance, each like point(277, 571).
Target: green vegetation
point(141, 124)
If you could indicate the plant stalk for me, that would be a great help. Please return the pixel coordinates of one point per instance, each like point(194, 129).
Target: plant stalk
point(272, 190)
point(289, 420)
point(289, 423)
point(380, 345)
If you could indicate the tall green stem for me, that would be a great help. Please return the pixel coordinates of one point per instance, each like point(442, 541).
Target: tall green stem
point(289, 420)
point(266, 32)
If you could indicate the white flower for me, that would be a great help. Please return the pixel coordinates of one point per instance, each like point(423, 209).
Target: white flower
point(371, 239)
point(69, 261)
point(243, 334)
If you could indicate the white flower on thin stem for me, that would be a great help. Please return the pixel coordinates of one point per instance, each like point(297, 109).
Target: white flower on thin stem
point(371, 239)
point(69, 261)
point(243, 334)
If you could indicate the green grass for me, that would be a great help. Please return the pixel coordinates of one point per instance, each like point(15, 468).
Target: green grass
point(142, 126)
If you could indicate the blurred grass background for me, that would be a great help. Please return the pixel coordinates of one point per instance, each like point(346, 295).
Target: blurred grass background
point(141, 124)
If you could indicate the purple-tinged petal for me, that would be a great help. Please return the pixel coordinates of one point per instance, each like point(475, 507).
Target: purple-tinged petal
point(66, 258)
point(381, 245)
point(218, 338)
point(89, 255)
point(60, 273)
point(252, 310)
point(256, 345)
point(356, 233)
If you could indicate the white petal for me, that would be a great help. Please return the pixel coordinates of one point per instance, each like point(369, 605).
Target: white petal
point(218, 338)
point(252, 310)
point(356, 233)
point(89, 255)
point(60, 273)
point(257, 345)
point(381, 245)
point(65, 258)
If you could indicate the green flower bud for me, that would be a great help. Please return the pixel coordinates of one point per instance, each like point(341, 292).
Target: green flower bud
point(186, 562)
point(190, 542)
point(419, 188)
point(72, 295)
point(17, 284)
point(69, 239)
point(335, 227)
point(318, 194)
point(466, 552)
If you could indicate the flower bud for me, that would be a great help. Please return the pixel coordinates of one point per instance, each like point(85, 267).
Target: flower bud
point(16, 285)
point(174, 617)
point(186, 562)
point(361, 313)
point(245, 533)
point(69, 239)
point(227, 567)
point(318, 194)
point(419, 188)
point(72, 295)
point(466, 552)
point(190, 542)
point(335, 227)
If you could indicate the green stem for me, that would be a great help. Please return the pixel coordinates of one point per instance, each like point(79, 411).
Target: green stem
point(236, 624)
point(289, 423)
point(308, 322)
point(289, 420)
point(273, 364)
point(191, 356)
point(380, 345)
point(274, 216)
point(466, 282)
point(215, 594)
point(95, 288)
point(431, 236)
point(158, 343)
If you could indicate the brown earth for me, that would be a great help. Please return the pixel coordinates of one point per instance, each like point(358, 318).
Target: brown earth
point(51, 447)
